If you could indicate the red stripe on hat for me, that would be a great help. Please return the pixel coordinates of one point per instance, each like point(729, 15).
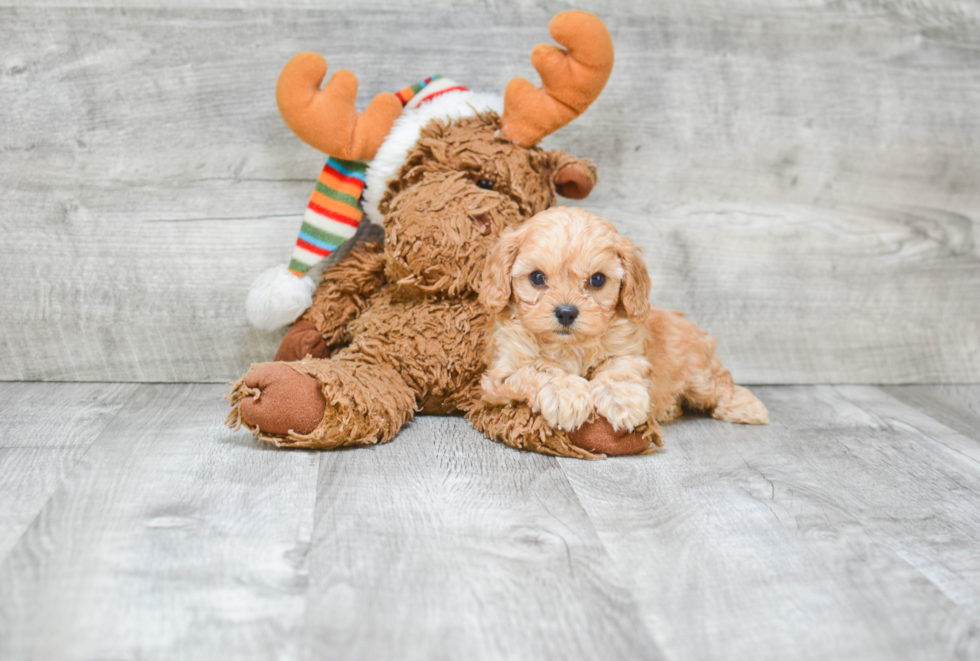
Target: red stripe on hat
point(333, 215)
point(402, 98)
point(343, 177)
point(455, 88)
point(316, 250)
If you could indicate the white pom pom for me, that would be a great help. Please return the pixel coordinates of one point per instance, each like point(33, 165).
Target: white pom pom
point(277, 297)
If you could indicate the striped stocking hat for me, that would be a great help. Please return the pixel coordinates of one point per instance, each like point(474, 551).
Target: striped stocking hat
point(346, 191)
point(332, 214)
point(334, 211)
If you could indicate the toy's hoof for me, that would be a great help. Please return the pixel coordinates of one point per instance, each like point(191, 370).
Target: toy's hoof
point(288, 401)
point(601, 438)
point(302, 339)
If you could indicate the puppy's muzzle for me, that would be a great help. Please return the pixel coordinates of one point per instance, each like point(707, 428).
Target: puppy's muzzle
point(566, 314)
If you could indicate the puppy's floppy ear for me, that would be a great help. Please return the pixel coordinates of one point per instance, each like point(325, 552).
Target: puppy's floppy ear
point(634, 292)
point(495, 289)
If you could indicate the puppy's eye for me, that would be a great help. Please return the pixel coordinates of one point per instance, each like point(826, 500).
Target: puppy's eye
point(485, 184)
point(597, 280)
point(537, 279)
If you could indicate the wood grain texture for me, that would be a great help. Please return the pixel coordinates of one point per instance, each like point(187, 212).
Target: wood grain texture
point(956, 406)
point(848, 528)
point(835, 295)
point(444, 545)
point(44, 430)
point(173, 538)
point(800, 174)
point(842, 530)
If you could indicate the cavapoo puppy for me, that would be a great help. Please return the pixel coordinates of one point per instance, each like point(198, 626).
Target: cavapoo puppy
point(575, 333)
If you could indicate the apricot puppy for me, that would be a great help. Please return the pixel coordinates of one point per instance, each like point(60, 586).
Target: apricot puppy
point(574, 332)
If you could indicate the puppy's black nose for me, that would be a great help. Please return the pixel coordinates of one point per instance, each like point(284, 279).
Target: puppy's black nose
point(566, 314)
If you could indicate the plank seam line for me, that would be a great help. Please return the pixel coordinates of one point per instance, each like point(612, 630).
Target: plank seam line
point(957, 414)
point(891, 422)
point(886, 539)
point(70, 472)
point(305, 639)
point(229, 219)
point(613, 566)
point(873, 532)
point(134, 383)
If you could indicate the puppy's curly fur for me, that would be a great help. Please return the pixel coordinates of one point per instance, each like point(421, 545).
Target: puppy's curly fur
point(574, 332)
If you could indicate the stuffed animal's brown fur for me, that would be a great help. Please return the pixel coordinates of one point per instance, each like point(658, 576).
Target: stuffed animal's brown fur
point(396, 328)
point(401, 322)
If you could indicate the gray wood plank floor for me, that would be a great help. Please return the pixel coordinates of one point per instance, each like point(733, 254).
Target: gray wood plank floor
point(135, 526)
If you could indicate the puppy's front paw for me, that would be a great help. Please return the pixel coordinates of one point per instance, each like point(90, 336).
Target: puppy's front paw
point(565, 403)
point(625, 404)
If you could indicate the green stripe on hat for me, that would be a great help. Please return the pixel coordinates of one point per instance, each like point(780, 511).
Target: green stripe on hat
point(343, 198)
point(323, 235)
point(297, 266)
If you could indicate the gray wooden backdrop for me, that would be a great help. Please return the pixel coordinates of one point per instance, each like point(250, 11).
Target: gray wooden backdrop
point(803, 175)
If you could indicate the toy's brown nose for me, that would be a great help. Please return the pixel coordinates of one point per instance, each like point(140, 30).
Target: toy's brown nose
point(566, 314)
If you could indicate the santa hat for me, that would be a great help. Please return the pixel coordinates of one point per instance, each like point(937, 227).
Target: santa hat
point(347, 190)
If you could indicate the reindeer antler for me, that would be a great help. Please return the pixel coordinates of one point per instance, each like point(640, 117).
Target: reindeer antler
point(326, 118)
point(571, 79)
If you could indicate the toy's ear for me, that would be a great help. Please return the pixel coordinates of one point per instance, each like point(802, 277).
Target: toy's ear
point(495, 290)
point(634, 291)
point(574, 177)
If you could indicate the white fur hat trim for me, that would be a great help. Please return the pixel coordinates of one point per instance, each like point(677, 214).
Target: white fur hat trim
point(278, 297)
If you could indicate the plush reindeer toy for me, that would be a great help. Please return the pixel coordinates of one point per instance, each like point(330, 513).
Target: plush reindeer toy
point(396, 329)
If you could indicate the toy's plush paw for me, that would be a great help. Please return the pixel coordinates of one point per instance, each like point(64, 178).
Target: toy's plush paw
point(599, 436)
point(302, 339)
point(287, 400)
point(741, 406)
point(565, 403)
point(624, 404)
